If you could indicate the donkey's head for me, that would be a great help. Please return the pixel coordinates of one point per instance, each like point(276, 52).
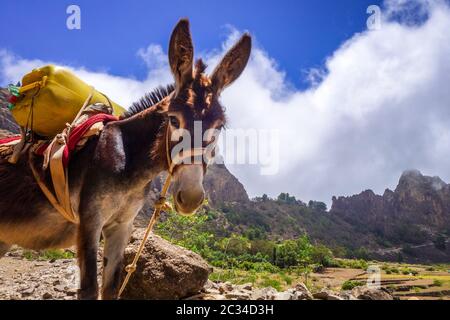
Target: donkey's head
point(193, 109)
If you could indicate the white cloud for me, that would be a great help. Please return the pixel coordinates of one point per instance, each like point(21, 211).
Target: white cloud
point(380, 105)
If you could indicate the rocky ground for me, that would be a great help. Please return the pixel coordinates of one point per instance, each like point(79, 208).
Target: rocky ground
point(164, 271)
point(21, 279)
point(227, 291)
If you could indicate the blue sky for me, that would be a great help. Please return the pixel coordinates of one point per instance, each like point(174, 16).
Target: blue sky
point(298, 34)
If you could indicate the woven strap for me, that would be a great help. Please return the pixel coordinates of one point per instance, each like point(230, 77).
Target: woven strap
point(53, 158)
point(51, 198)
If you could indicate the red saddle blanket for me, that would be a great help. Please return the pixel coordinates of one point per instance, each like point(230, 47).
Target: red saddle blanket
point(74, 138)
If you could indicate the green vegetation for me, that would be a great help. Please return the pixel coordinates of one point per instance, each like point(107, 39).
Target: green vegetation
point(248, 252)
point(351, 264)
point(280, 281)
point(438, 283)
point(52, 254)
point(350, 284)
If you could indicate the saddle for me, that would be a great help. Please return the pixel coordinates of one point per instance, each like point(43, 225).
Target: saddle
point(55, 154)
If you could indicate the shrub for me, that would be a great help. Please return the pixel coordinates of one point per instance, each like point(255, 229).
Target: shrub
point(271, 283)
point(350, 284)
point(286, 278)
point(322, 255)
point(263, 247)
point(286, 254)
point(438, 283)
point(353, 264)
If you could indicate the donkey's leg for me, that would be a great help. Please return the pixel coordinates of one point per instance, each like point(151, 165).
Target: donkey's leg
point(116, 239)
point(88, 239)
point(4, 248)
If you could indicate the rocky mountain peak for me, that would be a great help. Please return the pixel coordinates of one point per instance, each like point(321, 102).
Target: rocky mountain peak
point(414, 179)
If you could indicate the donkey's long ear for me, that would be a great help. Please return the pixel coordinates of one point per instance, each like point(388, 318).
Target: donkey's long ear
point(232, 65)
point(181, 53)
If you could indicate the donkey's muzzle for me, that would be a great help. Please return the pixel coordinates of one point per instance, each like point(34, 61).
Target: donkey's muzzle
point(188, 192)
point(187, 202)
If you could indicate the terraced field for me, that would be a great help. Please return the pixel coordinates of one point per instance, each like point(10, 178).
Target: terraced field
point(406, 282)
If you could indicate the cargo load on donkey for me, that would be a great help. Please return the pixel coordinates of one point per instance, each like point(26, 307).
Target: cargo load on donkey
point(57, 112)
point(50, 97)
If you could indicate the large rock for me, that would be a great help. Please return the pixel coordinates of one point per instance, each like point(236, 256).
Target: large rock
point(164, 271)
point(366, 293)
point(328, 295)
point(299, 292)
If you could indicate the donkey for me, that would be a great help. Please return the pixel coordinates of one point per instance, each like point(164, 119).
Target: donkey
point(110, 177)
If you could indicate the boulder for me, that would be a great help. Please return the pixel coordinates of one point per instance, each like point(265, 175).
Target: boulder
point(327, 295)
point(164, 271)
point(346, 295)
point(284, 296)
point(301, 292)
point(268, 293)
point(366, 293)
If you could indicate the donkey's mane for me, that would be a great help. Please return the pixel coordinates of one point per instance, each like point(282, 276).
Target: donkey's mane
point(148, 100)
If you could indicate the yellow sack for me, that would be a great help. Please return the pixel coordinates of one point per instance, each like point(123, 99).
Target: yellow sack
point(50, 97)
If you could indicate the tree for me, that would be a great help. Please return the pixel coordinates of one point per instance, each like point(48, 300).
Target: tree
point(304, 250)
point(236, 245)
point(264, 247)
point(285, 197)
point(253, 233)
point(317, 206)
point(286, 254)
point(322, 255)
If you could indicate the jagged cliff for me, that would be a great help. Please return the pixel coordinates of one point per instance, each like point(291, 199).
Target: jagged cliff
point(417, 210)
point(7, 123)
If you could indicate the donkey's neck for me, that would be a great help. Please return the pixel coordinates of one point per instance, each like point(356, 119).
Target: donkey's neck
point(144, 153)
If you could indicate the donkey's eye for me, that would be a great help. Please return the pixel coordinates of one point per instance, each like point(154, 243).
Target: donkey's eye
point(174, 122)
